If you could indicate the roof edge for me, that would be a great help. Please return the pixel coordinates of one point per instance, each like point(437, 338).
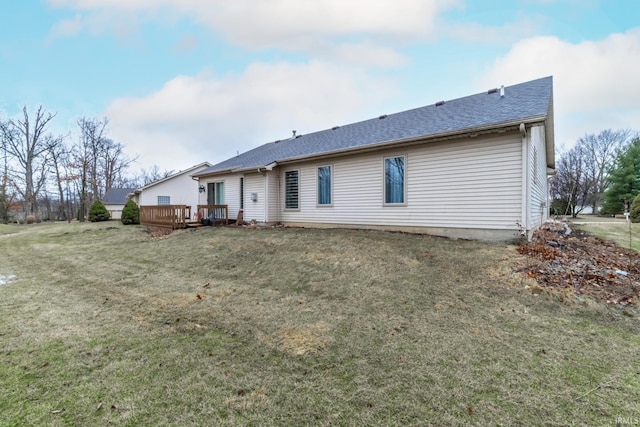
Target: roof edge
point(496, 127)
point(151, 184)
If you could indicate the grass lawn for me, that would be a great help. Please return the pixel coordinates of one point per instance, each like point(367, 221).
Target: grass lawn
point(103, 324)
point(624, 233)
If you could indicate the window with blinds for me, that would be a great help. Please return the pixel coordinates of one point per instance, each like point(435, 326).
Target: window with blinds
point(291, 190)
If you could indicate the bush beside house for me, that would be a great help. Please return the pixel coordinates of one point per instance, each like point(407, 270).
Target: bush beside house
point(130, 213)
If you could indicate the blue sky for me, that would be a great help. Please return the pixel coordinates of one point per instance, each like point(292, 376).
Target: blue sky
point(187, 81)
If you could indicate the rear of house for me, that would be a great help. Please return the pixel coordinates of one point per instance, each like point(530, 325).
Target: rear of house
point(475, 167)
point(177, 189)
point(114, 200)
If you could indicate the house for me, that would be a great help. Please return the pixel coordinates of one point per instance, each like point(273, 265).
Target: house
point(474, 167)
point(177, 189)
point(115, 199)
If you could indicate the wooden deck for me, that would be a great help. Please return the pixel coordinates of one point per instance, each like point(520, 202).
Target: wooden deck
point(180, 216)
point(166, 216)
point(216, 214)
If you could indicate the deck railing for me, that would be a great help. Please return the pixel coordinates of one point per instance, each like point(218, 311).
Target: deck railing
point(169, 216)
point(217, 214)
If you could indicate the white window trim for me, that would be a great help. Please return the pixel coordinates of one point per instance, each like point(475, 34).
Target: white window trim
point(324, 205)
point(384, 183)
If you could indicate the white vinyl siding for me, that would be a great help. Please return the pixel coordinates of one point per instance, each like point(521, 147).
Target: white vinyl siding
point(180, 188)
point(465, 183)
point(272, 190)
point(224, 186)
point(254, 210)
point(538, 182)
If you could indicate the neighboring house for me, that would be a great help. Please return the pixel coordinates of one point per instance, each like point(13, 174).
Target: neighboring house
point(177, 189)
point(473, 167)
point(114, 200)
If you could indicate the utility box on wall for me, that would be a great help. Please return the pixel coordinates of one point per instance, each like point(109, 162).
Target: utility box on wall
point(254, 197)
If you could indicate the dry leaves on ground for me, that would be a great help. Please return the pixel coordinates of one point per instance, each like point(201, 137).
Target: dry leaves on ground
point(582, 263)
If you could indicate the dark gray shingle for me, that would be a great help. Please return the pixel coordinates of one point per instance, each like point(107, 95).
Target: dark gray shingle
point(116, 196)
point(522, 101)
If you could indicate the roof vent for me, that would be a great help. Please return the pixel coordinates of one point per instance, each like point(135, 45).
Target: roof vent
point(439, 103)
point(384, 116)
point(502, 91)
point(298, 136)
point(276, 141)
point(494, 90)
point(294, 134)
point(335, 127)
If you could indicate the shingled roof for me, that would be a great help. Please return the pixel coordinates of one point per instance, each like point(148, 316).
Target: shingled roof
point(116, 196)
point(522, 103)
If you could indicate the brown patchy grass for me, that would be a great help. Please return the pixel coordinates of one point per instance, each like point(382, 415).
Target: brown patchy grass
point(108, 324)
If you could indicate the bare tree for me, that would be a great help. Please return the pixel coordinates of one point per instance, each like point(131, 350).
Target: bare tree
point(153, 174)
point(599, 152)
point(98, 161)
point(84, 160)
point(6, 194)
point(571, 185)
point(28, 143)
point(113, 164)
point(60, 156)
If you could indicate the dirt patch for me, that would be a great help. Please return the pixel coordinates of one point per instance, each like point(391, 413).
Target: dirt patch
point(302, 340)
point(577, 263)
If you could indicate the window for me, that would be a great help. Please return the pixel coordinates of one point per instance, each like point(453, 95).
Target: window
point(241, 192)
point(324, 185)
point(394, 180)
point(219, 193)
point(164, 200)
point(215, 194)
point(291, 190)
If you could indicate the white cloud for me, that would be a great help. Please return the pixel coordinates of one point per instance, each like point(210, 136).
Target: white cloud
point(122, 25)
point(196, 118)
point(509, 32)
point(290, 24)
point(595, 82)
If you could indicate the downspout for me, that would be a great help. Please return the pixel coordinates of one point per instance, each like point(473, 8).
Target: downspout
point(526, 203)
point(266, 198)
point(279, 199)
point(264, 189)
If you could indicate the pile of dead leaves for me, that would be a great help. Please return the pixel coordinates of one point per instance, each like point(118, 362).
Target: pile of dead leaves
point(561, 259)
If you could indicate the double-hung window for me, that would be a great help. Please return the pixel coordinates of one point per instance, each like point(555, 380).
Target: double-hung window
point(324, 186)
point(394, 180)
point(291, 190)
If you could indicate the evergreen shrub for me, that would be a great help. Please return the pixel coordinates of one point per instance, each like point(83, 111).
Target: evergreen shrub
point(98, 212)
point(130, 213)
